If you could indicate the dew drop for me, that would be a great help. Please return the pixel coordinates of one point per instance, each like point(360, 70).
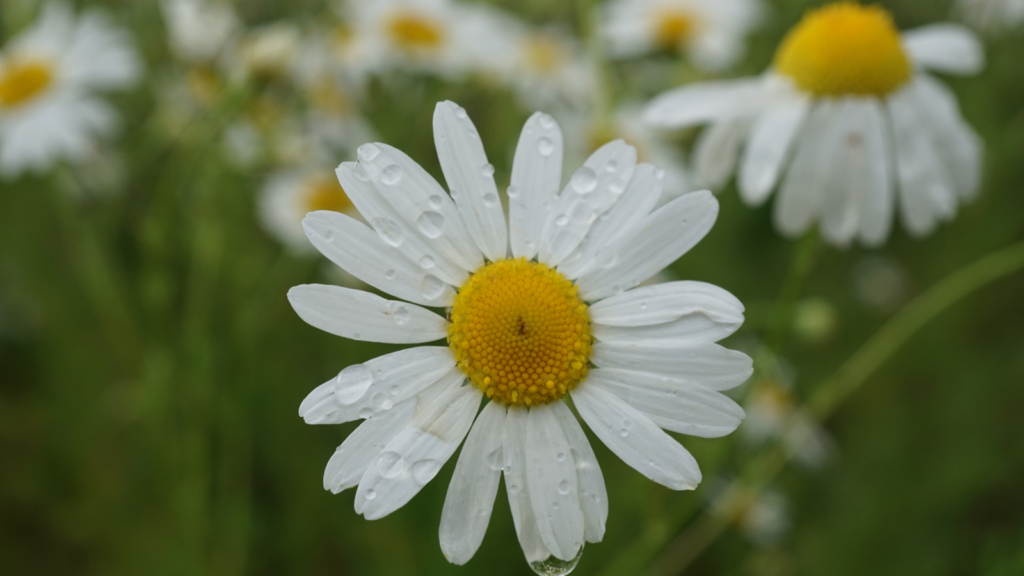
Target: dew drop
point(546, 122)
point(513, 488)
point(624, 433)
point(487, 170)
point(426, 262)
point(390, 274)
point(390, 464)
point(431, 224)
point(560, 457)
point(352, 383)
point(460, 112)
point(583, 180)
point(395, 390)
point(491, 199)
point(377, 398)
point(387, 404)
point(328, 236)
point(355, 335)
point(391, 175)
point(563, 487)
point(401, 315)
point(494, 459)
point(611, 165)
point(434, 202)
point(423, 471)
point(432, 287)
point(555, 567)
point(643, 305)
point(512, 191)
point(617, 186)
point(371, 494)
point(366, 412)
point(562, 220)
point(388, 230)
point(367, 152)
point(545, 146)
point(555, 506)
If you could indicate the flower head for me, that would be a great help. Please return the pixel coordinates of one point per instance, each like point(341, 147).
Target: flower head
point(541, 307)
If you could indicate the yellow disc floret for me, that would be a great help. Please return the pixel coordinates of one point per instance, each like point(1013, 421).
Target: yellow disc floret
point(21, 81)
point(325, 193)
point(673, 28)
point(413, 32)
point(844, 49)
point(520, 332)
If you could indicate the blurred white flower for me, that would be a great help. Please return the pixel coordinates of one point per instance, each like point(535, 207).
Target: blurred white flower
point(287, 196)
point(546, 67)
point(48, 78)
point(991, 15)
point(651, 147)
point(199, 29)
point(765, 521)
point(881, 283)
point(846, 113)
point(773, 413)
point(709, 32)
point(265, 53)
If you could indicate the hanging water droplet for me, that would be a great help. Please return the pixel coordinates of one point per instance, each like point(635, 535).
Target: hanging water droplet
point(583, 180)
point(431, 287)
point(512, 191)
point(431, 224)
point(555, 567)
point(367, 152)
point(460, 112)
point(390, 464)
point(391, 175)
point(366, 412)
point(611, 165)
point(426, 262)
point(495, 460)
point(563, 487)
point(487, 170)
point(401, 315)
point(351, 383)
point(546, 122)
point(388, 230)
point(545, 146)
point(355, 335)
point(562, 220)
point(424, 471)
point(617, 186)
point(390, 274)
point(371, 494)
point(491, 199)
point(435, 202)
point(624, 433)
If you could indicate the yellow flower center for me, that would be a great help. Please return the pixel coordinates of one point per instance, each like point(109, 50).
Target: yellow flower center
point(326, 194)
point(672, 28)
point(544, 53)
point(520, 332)
point(414, 32)
point(22, 81)
point(844, 49)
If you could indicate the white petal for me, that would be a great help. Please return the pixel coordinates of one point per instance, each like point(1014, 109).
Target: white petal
point(846, 175)
point(704, 102)
point(470, 499)
point(536, 178)
point(945, 47)
point(702, 363)
point(666, 302)
point(384, 382)
point(878, 198)
point(639, 442)
point(954, 140)
point(671, 403)
point(470, 178)
point(362, 253)
point(421, 202)
point(415, 455)
point(717, 150)
point(591, 191)
point(517, 488)
point(363, 316)
point(926, 192)
point(364, 445)
point(767, 149)
point(554, 488)
point(392, 228)
point(640, 197)
point(800, 197)
point(657, 241)
point(593, 495)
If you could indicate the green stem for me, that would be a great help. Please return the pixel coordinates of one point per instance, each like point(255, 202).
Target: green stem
point(830, 394)
point(800, 267)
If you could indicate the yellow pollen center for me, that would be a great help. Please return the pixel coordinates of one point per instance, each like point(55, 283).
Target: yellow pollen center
point(520, 333)
point(413, 32)
point(672, 28)
point(326, 194)
point(22, 81)
point(844, 49)
point(544, 53)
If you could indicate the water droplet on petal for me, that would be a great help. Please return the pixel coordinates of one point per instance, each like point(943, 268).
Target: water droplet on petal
point(555, 567)
point(545, 146)
point(513, 488)
point(390, 274)
point(424, 471)
point(583, 180)
point(432, 287)
point(617, 186)
point(367, 152)
point(431, 224)
point(490, 199)
point(624, 433)
point(390, 464)
point(377, 398)
point(371, 494)
point(365, 413)
point(487, 170)
point(391, 175)
point(562, 220)
point(494, 460)
point(435, 202)
point(627, 423)
point(611, 165)
point(460, 112)
point(401, 315)
point(388, 230)
point(328, 236)
point(355, 335)
point(395, 390)
point(560, 457)
point(563, 487)
point(426, 262)
point(643, 305)
point(546, 122)
point(512, 191)
point(352, 383)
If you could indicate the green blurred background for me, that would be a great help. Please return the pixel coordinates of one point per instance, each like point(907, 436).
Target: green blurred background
point(151, 368)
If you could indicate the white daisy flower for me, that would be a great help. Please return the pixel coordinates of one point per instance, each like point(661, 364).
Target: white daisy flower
point(991, 15)
point(851, 122)
point(539, 308)
point(651, 147)
point(48, 76)
point(199, 30)
point(709, 32)
point(288, 195)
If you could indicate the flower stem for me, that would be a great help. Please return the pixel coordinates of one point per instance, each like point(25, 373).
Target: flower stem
point(800, 267)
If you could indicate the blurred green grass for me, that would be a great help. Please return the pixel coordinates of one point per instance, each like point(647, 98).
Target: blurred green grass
point(151, 369)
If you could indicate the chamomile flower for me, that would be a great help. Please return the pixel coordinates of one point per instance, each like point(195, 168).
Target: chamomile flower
point(709, 32)
point(199, 30)
point(991, 15)
point(539, 308)
point(547, 68)
point(288, 195)
point(48, 78)
point(851, 122)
